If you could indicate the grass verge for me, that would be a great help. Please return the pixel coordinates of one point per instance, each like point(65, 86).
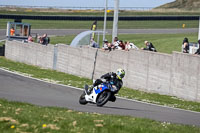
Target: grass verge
point(53, 11)
point(61, 24)
point(22, 117)
point(62, 78)
point(2, 43)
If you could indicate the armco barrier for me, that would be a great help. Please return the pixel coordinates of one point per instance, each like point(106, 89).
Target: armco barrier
point(177, 74)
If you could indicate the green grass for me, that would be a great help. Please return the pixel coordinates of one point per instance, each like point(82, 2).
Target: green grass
point(62, 39)
point(164, 43)
point(59, 24)
point(159, 99)
point(2, 43)
point(67, 79)
point(22, 117)
point(45, 74)
point(21, 11)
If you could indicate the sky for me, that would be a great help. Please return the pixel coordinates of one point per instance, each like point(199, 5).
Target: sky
point(85, 3)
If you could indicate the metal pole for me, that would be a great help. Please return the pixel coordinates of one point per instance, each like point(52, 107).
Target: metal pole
point(199, 29)
point(115, 22)
point(105, 19)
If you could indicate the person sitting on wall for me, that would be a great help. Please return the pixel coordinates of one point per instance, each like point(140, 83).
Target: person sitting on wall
point(121, 45)
point(198, 50)
point(149, 46)
point(107, 46)
point(116, 43)
point(45, 39)
point(129, 46)
point(185, 45)
point(12, 31)
point(94, 44)
point(30, 38)
point(40, 40)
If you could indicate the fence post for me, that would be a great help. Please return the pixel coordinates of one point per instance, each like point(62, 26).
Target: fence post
point(95, 59)
point(55, 56)
point(199, 29)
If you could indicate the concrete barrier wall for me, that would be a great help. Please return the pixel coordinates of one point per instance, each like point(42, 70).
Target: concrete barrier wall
point(76, 61)
point(31, 53)
point(144, 70)
point(175, 74)
point(185, 76)
point(110, 61)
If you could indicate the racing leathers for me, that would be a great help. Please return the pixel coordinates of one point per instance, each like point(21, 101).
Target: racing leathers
point(112, 79)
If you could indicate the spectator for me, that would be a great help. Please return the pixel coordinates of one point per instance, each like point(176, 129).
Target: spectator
point(129, 46)
point(116, 42)
point(198, 50)
point(30, 38)
point(185, 45)
point(12, 31)
point(94, 44)
point(40, 40)
point(149, 46)
point(107, 46)
point(45, 39)
point(93, 28)
point(121, 45)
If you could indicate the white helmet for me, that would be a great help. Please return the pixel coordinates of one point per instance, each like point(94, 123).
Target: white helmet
point(120, 73)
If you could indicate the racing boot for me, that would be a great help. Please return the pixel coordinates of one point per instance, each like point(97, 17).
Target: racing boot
point(88, 89)
point(112, 98)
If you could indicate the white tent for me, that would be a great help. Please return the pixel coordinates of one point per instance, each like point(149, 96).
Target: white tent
point(84, 38)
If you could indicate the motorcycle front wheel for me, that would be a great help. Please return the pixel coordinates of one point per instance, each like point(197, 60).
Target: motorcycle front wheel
point(82, 99)
point(103, 98)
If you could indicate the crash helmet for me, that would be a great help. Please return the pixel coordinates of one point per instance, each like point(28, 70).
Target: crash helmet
point(120, 73)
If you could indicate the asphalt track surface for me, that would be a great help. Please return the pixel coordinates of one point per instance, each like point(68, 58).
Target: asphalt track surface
point(61, 32)
point(19, 88)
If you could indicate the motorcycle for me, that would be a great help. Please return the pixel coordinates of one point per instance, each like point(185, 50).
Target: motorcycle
point(99, 95)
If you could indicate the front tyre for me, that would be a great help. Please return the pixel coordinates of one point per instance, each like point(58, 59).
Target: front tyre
point(103, 98)
point(82, 99)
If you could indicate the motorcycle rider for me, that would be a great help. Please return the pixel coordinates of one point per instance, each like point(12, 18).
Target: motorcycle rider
point(115, 80)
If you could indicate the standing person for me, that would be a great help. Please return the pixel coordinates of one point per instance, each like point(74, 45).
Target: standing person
point(149, 46)
point(198, 50)
point(185, 45)
point(12, 31)
point(93, 28)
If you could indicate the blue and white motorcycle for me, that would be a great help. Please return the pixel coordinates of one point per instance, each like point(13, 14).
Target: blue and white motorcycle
point(99, 95)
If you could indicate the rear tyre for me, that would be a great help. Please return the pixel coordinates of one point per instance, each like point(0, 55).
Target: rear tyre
point(103, 98)
point(82, 99)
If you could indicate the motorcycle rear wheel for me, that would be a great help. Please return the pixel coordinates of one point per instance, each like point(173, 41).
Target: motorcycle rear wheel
point(103, 98)
point(82, 99)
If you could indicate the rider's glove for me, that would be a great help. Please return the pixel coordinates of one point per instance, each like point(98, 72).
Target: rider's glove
point(114, 88)
point(103, 80)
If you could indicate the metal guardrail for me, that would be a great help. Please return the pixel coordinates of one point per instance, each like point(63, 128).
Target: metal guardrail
point(99, 18)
